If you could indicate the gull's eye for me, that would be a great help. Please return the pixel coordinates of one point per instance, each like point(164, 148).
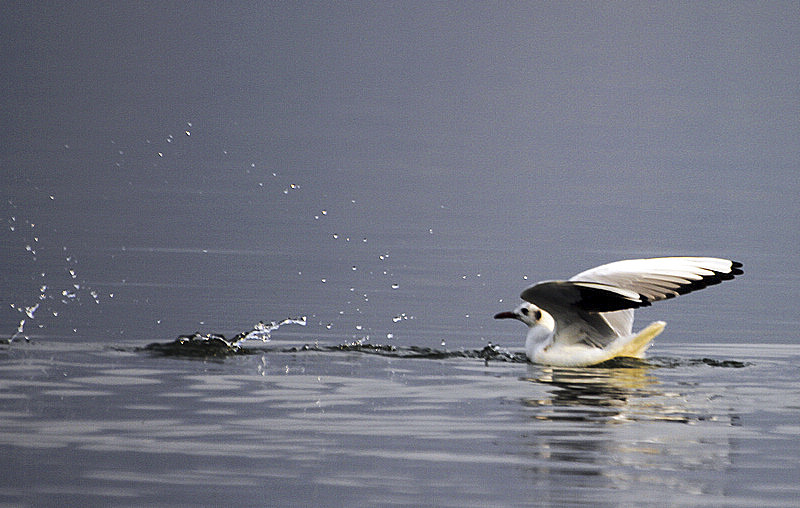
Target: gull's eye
point(537, 315)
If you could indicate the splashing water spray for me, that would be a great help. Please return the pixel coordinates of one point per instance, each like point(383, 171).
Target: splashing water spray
point(216, 344)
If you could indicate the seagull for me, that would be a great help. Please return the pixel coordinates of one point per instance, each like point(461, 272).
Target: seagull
point(588, 319)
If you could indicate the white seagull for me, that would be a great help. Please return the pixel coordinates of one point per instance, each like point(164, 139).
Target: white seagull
point(588, 319)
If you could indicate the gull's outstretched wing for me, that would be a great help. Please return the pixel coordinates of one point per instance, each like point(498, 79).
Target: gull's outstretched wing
point(596, 306)
point(657, 279)
point(661, 278)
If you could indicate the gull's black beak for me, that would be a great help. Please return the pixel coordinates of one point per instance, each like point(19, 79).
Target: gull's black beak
point(505, 315)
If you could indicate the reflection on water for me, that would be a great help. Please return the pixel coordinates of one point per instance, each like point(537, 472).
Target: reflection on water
point(630, 392)
point(599, 393)
point(635, 425)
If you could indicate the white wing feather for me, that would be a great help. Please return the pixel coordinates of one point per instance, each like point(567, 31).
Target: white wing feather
point(657, 279)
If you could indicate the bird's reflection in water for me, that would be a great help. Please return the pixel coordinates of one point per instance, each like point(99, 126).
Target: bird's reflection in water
point(599, 427)
point(592, 393)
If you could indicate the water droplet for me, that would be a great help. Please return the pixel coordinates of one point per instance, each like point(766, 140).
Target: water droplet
point(395, 286)
point(354, 268)
point(390, 336)
point(324, 281)
point(359, 327)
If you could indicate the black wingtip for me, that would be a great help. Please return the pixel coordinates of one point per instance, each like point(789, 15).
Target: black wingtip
point(711, 280)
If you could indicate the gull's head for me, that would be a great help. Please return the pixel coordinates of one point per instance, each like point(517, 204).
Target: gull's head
point(529, 314)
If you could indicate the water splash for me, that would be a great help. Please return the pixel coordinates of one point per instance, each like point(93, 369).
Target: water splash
point(30, 310)
point(20, 331)
point(216, 344)
point(262, 331)
point(53, 288)
point(401, 317)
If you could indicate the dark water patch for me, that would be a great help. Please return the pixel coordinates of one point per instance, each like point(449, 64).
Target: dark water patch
point(673, 363)
point(217, 346)
point(622, 362)
point(196, 345)
point(490, 352)
point(667, 362)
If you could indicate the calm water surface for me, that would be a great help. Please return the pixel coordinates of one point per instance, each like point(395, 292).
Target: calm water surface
point(696, 425)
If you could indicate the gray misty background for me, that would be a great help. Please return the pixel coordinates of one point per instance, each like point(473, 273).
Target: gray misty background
point(400, 168)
